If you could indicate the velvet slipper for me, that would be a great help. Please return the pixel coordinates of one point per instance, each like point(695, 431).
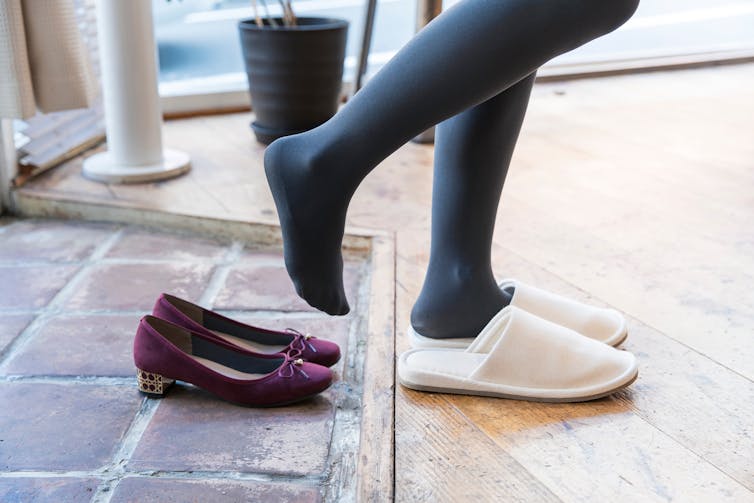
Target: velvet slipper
point(254, 339)
point(604, 325)
point(165, 352)
point(521, 356)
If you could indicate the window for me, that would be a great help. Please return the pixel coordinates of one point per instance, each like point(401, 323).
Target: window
point(200, 56)
point(201, 65)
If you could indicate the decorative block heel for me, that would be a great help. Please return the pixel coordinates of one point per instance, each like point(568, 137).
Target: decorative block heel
point(151, 384)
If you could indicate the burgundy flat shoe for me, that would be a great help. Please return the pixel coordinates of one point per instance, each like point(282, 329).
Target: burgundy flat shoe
point(165, 352)
point(254, 339)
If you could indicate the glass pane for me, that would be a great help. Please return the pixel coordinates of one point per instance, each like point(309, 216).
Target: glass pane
point(198, 39)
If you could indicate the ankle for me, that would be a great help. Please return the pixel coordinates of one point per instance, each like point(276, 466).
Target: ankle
point(449, 308)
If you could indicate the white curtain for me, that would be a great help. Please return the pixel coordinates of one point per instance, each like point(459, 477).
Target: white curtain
point(43, 62)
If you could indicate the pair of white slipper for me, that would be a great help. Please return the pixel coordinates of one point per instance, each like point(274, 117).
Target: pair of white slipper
point(541, 347)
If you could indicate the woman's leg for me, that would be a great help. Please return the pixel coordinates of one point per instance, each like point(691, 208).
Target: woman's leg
point(470, 53)
point(472, 152)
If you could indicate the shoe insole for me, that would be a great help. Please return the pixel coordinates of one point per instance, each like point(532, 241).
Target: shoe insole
point(447, 361)
point(250, 345)
point(226, 371)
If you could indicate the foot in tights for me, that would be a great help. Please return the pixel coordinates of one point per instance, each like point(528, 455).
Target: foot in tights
point(472, 52)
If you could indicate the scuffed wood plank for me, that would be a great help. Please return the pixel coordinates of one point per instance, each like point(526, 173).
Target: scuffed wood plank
point(440, 455)
point(681, 393)
point(375, 480)
point(600, 451)
point(444, 457)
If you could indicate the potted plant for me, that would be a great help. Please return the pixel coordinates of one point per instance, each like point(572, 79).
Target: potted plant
point(295, 69)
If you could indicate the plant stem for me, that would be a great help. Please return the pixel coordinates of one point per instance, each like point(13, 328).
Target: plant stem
point(257, 18)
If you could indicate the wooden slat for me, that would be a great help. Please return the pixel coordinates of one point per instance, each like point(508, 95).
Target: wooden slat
point(376, 449)
point(445, 457)
point(441, 456)
point(682, 394)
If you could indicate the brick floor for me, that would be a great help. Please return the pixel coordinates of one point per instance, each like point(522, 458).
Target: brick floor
point(141, 489)
point(51, 241)
point(192, 431)
point(243, 287)
point(47, 489)
point(83, 345)
point(11, 326)
point(74, 428)
point(62, 426)
point(136, 286)
point(142, 244)
point(32, 287)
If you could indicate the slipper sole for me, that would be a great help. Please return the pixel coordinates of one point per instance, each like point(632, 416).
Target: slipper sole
point(458, 391)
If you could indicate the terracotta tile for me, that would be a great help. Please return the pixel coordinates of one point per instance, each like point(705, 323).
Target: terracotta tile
point(79, 345)
point(47, 490)
point(59, 241)
point(62, 427)
point(266, 285)
point(11, 326)
point(192, 430)
point(136, 286)
point(162, 490)
point(32, 287)
point(259, 287)
point(144, 244)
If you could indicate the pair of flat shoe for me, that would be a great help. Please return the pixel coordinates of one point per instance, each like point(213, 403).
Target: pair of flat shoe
point(237, 362)
point(541, 347)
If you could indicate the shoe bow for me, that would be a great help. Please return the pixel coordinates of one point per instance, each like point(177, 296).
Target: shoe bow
point(291, 365)
point(300, 343)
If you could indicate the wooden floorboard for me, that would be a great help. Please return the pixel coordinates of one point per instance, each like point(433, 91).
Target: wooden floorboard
point(635, 192)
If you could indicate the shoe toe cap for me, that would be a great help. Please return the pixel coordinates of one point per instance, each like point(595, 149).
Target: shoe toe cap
point(317, 378)
point(327, 353)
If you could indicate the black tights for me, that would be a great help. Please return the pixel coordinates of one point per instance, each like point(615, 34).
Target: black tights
point(470, 70)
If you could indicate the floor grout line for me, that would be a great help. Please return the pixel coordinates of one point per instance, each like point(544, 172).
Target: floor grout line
point(109, 261)
point(117, 466)
point(88, 380)
point(220, 274)
point(226, 476)
point(19, 312)
point(33, 474)
point(266, 313)
point(190, 475)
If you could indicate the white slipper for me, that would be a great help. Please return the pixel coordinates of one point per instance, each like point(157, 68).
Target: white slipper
point(601, 324)
point(521, 356)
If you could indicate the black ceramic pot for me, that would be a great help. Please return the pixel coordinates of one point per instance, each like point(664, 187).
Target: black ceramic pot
point(295, 73)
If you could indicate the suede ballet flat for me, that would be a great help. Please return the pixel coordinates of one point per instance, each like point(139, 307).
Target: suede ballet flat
point(521, 356)
point(604, 325)
point(254, 339)
point(165, 352)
